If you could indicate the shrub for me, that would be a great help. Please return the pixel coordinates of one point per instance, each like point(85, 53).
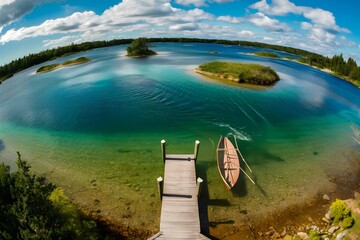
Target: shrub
point(341, 214)
point(31, 209)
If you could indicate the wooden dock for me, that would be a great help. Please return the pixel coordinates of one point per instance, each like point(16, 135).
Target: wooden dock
point(179, 193)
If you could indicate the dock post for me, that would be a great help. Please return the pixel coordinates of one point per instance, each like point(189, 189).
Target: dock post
point(199, 183)
point(163, 149)
point(160, 186)
point(196, 150)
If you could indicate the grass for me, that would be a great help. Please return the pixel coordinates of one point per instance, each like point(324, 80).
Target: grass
point(51, 67)
point(267, 54)
point(241, 73)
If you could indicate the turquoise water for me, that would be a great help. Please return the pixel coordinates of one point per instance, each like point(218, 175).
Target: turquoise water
point(95, 129)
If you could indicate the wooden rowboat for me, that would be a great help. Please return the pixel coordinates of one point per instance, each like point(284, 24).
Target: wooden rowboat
point(228, 162)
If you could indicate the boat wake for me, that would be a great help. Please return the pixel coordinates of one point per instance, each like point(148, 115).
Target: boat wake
point(235, 132)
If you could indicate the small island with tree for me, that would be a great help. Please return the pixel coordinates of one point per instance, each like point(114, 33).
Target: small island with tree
point(238, 72)
point(139, 48)
point(51, 67)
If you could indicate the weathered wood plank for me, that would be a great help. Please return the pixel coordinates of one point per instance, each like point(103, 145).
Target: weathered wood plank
point(179, 211)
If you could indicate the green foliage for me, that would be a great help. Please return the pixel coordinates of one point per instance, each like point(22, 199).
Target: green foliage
point(47, 68)
point(75, 224)
point(76, 61)
point(341, 214)
point(314, 235)
point(28, 212)
point(267, 54)
point(139, 47)
point(243, 73)
point(355, 74)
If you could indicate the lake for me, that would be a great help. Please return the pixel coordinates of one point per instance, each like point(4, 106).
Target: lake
point(95, 129)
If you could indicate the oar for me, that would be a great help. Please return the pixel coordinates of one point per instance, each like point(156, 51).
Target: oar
point(237, 149)
point(247, 175)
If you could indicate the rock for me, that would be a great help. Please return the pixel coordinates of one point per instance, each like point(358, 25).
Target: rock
point(283, 233)
point(356, 195)
point(260, 233)
point(340, 236)
point(326, 220)
point(333, 229)
point(314, 227)
point(327, 216)
point(302, 235)
point(326, 197)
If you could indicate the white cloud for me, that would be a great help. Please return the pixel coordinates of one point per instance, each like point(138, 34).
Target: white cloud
point(230, 19)
point(118, 18)
point(278, 7)
point(184, 27)
point(6, 2)
point(319, 17)
point(322, 19)
point(245, 33)
point(222, 1)
point(322, 28)
point(261, 20)
point(59, 42)
point(346, 42)
point(139, 8)
point(268, 38)
point(196, 3)
point(199, 3)
point(12, 10)
point(74, 23)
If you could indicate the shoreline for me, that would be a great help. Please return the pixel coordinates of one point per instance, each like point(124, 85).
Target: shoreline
point(325, 70)
point(292, 219)
point(215, 77)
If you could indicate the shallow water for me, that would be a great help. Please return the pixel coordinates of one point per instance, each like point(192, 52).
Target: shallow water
point(95, 129)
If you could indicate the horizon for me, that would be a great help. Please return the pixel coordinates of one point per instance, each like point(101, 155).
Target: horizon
point(28, 27)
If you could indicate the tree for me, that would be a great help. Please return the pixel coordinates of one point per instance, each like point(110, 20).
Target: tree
point(30, 210)
point(355, 74)
point(139, 47)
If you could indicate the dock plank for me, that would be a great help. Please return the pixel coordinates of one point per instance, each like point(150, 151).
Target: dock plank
point(179, 210)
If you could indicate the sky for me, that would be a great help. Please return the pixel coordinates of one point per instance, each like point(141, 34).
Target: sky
point(327, 27)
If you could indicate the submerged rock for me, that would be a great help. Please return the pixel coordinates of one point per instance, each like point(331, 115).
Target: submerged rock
point(326, 197)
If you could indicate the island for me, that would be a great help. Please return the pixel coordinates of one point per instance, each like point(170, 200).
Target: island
point(336, 65)
point(51, 67)
point(267, 54)
point(139, 48)
point(238, 72)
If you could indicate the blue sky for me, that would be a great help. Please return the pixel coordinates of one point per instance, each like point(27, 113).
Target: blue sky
point(322, 26)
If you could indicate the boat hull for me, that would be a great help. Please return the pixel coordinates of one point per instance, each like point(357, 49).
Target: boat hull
point(228, 162)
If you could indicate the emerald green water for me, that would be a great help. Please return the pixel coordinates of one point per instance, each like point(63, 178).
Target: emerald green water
point(95, 129)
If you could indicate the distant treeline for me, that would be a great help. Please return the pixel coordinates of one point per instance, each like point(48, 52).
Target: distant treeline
point(8, 70)
point(337, 64)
